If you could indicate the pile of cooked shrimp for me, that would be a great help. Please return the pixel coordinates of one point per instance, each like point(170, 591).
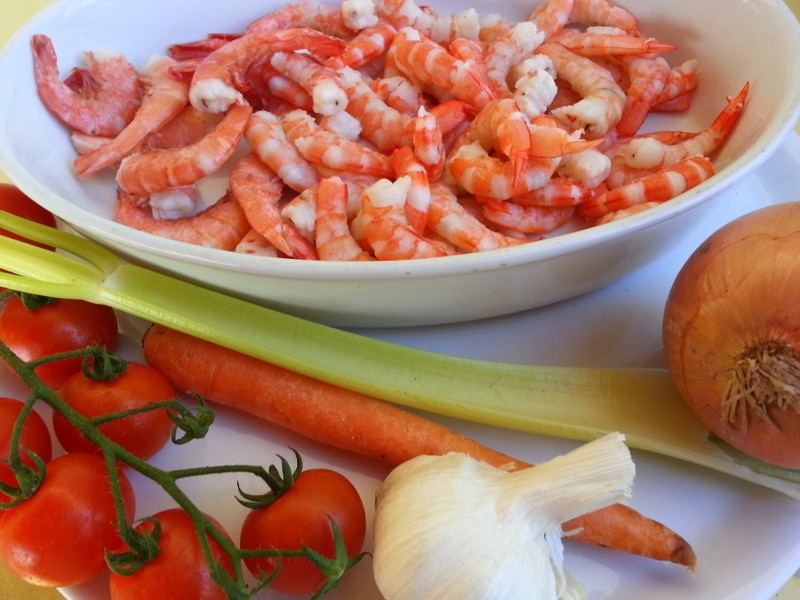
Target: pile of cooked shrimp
point(380, 129)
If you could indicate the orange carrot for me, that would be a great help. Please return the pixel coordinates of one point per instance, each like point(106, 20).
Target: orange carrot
point(370, 427)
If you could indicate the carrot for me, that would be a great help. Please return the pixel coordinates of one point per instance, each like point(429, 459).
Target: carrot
point(370, 427)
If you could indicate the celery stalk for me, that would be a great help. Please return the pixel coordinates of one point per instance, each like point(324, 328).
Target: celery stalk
point(569, 402)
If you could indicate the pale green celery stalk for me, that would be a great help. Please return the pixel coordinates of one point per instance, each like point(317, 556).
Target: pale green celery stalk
point(569, 402)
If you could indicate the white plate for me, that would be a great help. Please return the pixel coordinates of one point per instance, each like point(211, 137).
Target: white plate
point(745, 537)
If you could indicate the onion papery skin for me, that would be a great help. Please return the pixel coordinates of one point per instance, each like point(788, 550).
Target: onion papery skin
point(735, 304)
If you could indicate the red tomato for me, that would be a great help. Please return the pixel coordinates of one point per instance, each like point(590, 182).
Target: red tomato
point(180, 570)
point(300, 516)
point(35, 437)
point(58, 537)
point(14, 201)
point(58, 327)
point(143, 434)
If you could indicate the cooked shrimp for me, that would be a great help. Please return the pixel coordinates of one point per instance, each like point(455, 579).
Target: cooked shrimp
point(418, 198)
point(604, 12)
point(358, 14)
point(400, 93)
point(164, 97)
point(187, 127)
point(160, 169)
point(682, 80)
point(589, 167)
point(483, 175)
point(220, 226)
point(550, 16)
point(648, 152)
point(559, 191)
point(448, 218)
point(255, 244)
point(258, 190)
point(603, 100)
point(659, 187)
point(506, 51)
point(386, 229)
point(428, 144)
point(322, 147)
point(530, 219)
point(608, 41)
point(647, 75)
point(303, 14)
point(214, 83)
point(421, 59)
point(334, 240)
point(174, 203)
point(441, 28)
point(106, 100)
point(370, 43)
point(322, 83)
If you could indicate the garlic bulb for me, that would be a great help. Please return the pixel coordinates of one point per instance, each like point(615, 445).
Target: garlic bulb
point(453, 527)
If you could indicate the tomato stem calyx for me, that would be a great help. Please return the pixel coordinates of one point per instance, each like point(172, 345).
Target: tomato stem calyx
point(279, 483)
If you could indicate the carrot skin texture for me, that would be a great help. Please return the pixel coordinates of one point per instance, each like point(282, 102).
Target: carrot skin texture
point(370, 427)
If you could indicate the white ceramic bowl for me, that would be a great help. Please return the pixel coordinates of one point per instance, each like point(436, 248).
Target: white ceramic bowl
point(756, 41)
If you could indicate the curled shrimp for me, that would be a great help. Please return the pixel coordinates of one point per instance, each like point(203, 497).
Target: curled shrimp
point(214, 82)
point(324, 148)
point(220, 226)
point(428, 144)
point(258, 190)
point(508, 50)
point(550, 16)
point(386, 228)
point(451, 220)
point(648, 75)
point(334, 240)
point(266, 136)
point(368, 45)
point(303, 14)
point(604, 12)
point(528, 219)
point(418, 197)
point(421, 59)
point(658, 187)
point(160, 169)
point(323, 84)
point(164, 97)
point(439, 27)
point(603, 100)
point(649, 152)
point(102, 104)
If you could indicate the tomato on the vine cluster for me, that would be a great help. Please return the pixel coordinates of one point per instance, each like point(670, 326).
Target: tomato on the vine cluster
point(140, 385)
point(301, 516)
point(35, 437)
point(180, 570)
point(58, 536)
point(59, 326)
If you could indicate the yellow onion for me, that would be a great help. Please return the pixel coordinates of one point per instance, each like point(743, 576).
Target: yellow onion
point(732, 334)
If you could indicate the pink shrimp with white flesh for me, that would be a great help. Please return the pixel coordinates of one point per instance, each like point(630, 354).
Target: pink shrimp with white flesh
point(598, 41)
point(501, 126)
point(322, 83)
point(368, 45)
point(164, 98)
point(386, 228)
point(659, 186)
point(550, 140)
point(220, 226)
point(559, 191)
point(550, 16)
point(683, 80)
point(530, 219)
point(213, 87)
point(418, 198)
point(400, 93)
point(508, 50)
point(160, 169)
point(471, 166)
point(603, 100)
point(428, 144)
point(258, 190)
point(187, 127)
point(649, 152)
point(321, 147)
point(453, 222)
point(104, 103)
point(647, 75)
point(255, 244)
point(604, 12)
point(303, 14)
point(334, 240)
point(421, 59)
point(441, 28)
point(266, 136)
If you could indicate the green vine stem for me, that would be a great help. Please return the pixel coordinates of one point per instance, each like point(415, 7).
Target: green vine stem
point(191, 422)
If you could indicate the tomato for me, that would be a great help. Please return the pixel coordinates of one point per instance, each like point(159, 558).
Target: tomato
point(57, 327)
point(58, 537)
point(300, 516)
point(35, 437)
point(139, 385)
point(180, 570)
point(14, 201)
